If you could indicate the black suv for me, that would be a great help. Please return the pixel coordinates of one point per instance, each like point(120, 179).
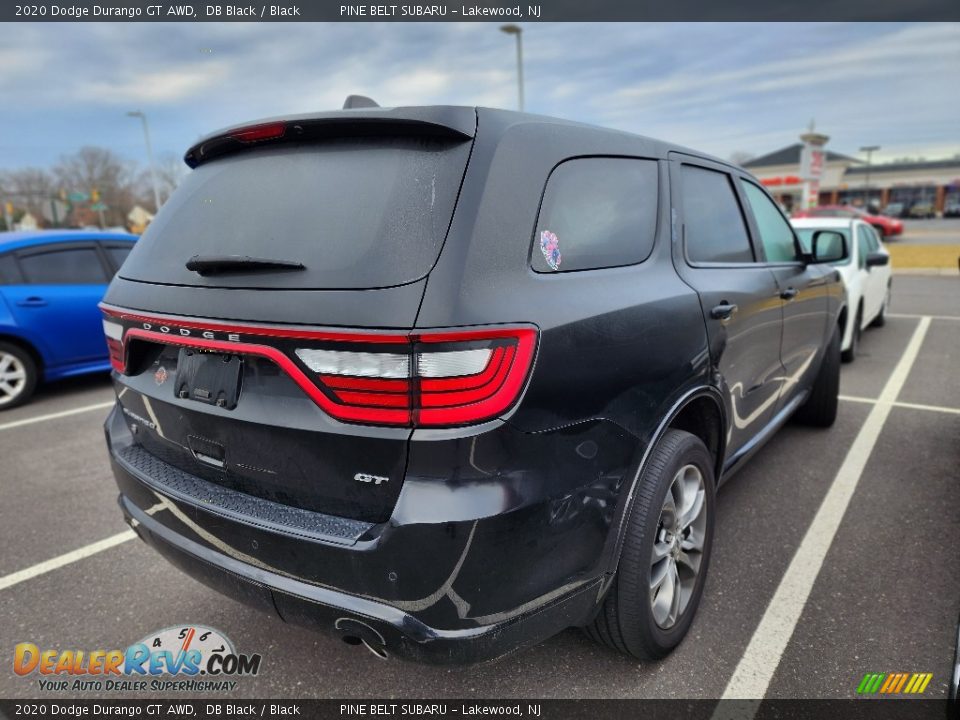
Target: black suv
point(446, 381)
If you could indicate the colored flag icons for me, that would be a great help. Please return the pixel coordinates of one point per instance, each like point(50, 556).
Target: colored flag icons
point(894, 683)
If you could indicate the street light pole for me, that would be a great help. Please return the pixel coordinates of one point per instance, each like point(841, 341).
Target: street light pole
point(153, 169)
point(869, 150)
point(517, 31)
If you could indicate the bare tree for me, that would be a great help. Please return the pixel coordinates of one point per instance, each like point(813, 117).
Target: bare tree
point(100, 169)
point(739, 157)
point(171, 170)
point(28, 188)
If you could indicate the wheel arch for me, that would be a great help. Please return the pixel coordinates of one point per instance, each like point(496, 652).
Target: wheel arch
point(27, 347)
point(703, 417)
point(842, 325)
point(695, 411)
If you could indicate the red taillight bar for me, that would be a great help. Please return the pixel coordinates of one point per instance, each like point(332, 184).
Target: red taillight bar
point(358, 397)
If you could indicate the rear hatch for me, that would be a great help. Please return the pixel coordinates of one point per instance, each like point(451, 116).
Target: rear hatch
point(292, 247)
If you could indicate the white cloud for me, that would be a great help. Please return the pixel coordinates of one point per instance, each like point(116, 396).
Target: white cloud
point(179, 84)
point(717, 87)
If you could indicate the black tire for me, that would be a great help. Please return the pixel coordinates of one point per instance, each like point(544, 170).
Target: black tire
point(881, 319)
point(626, 621)
point(850, 354)
point(820, 408)
point(18, 376)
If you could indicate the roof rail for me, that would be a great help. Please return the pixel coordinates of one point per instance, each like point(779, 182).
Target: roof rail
point(358, 101)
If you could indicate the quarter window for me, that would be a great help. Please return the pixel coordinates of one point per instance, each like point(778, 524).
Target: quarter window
point(118, 253)
point(76, 266)
point(714, 230)
point(775, 232)
point(596, 213)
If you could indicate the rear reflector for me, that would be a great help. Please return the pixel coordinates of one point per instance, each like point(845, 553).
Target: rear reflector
point(438, 379)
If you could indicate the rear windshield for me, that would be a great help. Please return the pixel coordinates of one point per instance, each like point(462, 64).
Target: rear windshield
point(357, 213)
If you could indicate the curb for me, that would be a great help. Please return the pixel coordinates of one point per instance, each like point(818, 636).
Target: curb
point(947, 272)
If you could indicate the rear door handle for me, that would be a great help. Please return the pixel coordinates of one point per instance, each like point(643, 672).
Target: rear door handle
point(32, 302)
point(723, 311)
point(788, 294)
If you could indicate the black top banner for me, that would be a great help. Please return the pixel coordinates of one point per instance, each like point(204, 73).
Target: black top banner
point(443, 709)
point(485, 11)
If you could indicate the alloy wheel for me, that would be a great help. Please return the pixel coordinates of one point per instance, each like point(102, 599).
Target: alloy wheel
point(678, 546)
point(13, 378)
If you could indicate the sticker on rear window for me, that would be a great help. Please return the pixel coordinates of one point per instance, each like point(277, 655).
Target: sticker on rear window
point(550, 247)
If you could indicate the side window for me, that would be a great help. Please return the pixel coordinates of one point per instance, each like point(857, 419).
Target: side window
point(9, 272)
point(596, 213)
point(714, 229)
point(74, 266)
point(117, 254)
point(863, 245)
point(775, 232)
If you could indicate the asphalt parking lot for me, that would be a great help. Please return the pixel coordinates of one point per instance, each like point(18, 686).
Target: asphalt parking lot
point(938, 231)
point(789, 610)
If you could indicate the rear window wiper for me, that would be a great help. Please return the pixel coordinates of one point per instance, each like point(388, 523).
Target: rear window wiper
point(217, 264)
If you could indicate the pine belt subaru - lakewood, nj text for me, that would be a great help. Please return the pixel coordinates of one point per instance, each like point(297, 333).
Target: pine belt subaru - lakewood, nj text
point(445, 381)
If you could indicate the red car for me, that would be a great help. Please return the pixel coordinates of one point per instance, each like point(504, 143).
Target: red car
point(886, 226)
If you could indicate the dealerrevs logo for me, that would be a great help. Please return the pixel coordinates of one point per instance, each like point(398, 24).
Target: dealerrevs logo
point(186, 658)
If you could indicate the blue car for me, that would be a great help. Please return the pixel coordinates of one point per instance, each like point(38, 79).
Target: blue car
point(50, 284)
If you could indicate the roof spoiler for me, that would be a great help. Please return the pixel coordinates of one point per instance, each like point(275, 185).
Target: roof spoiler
point(364, 119)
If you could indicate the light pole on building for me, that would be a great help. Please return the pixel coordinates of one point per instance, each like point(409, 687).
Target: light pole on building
point(153, 169)
point(517, 31)
point(869, 150)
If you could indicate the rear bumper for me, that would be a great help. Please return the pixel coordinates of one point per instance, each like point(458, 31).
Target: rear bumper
point(385, 630)
point(436, 588)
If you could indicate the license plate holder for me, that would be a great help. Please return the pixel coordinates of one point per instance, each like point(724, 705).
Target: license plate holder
point(208, 377)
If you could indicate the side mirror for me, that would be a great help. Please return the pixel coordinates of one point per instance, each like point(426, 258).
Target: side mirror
point(877, 258)
point(828, 246)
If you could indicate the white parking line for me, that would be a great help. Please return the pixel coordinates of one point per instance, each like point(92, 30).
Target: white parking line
point(898, 404)
point(917, 317)
point(56, 415)
point(752, 676)
point(65, 559)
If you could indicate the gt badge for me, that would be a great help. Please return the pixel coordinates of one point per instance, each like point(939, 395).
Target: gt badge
point(375, 479)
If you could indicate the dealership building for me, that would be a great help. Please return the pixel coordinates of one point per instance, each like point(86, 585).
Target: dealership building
point(847, 180)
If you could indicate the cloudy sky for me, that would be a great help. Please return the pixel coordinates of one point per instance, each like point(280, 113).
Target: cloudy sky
point(721, 88)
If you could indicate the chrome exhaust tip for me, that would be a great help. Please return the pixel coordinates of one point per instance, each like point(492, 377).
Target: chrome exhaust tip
point(357, 632)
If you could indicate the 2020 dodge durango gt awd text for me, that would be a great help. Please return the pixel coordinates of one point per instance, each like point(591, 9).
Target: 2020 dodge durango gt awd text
point(446, 381)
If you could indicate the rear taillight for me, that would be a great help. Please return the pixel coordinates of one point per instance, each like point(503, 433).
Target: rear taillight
point(435, 379)
point(442, 379)
point(114, 334)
